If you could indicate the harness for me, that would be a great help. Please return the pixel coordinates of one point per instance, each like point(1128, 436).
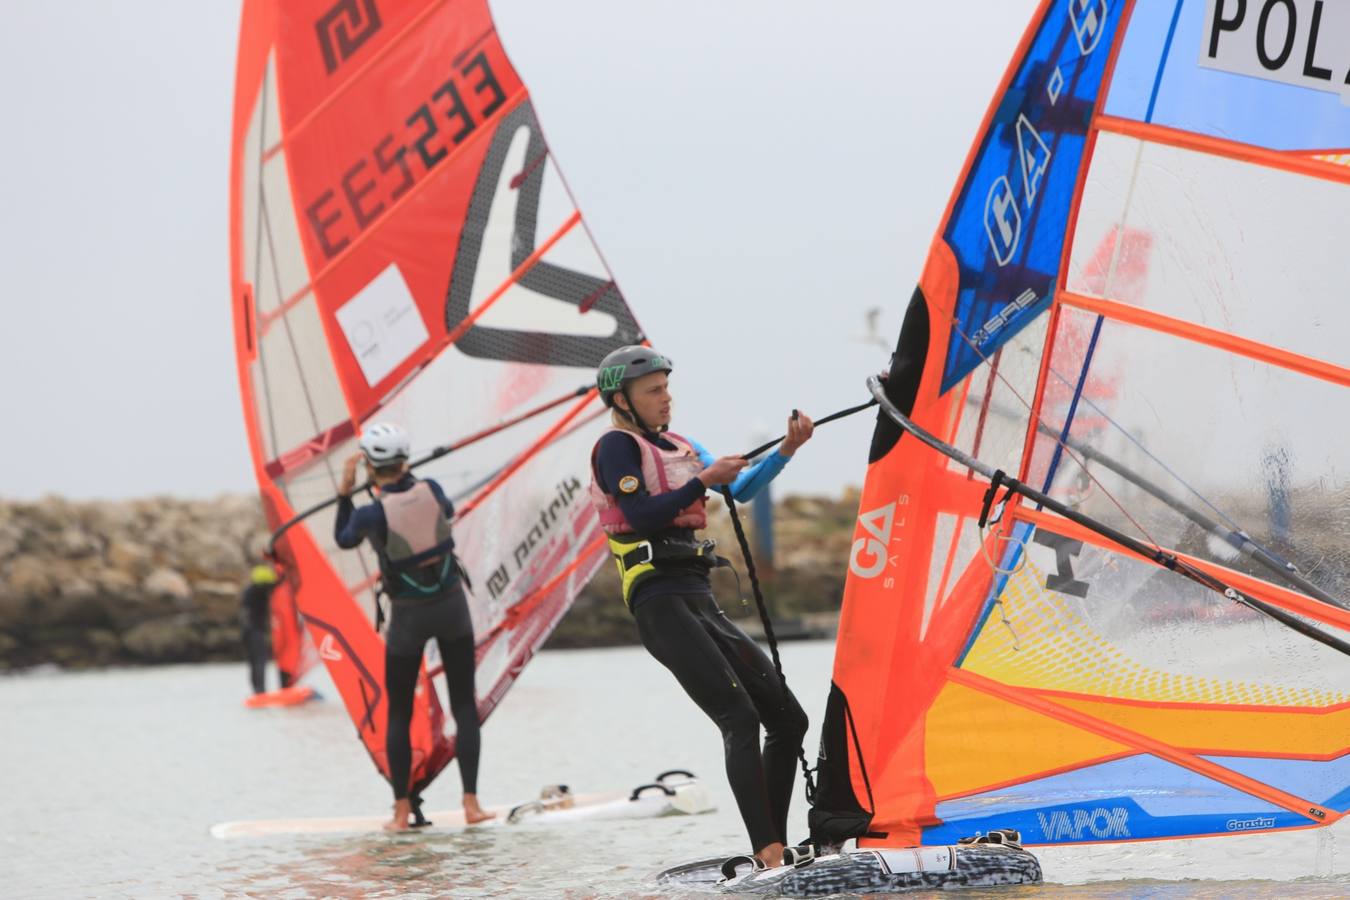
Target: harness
point(636, 557)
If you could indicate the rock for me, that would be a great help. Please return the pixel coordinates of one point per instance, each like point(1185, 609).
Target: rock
point(104, 645)
point(68, 655)
point(74, 587)
point(77, 605)
point(128, 556)
point(223, 641)
point(14, 610)
point(217, 600)
point(217, 589)
point(75, 543)
point(11, 539)
point(31, 577)
point(210, 553)
point(167, 584)
point(8, 645)
point(168, 639)
point(117, 585)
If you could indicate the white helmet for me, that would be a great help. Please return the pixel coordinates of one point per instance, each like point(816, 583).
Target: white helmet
point(384, 444)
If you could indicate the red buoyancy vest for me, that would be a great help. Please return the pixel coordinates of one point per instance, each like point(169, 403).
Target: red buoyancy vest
point(662, 471)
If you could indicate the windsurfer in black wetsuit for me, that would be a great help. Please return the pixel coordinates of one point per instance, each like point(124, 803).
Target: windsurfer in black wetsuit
point(649, 487)
point(409, 529)
point(255, 610)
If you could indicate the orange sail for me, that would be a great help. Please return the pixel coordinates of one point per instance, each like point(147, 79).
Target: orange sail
point(1133, 308)
point(403, 248)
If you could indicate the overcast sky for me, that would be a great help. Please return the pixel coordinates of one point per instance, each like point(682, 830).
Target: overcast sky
point(758, 174)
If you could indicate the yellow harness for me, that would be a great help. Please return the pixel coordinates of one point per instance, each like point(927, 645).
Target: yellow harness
point(636, 557)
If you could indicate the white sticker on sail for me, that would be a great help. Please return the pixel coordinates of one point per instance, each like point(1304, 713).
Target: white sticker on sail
point(382, 325)
point(1305, 43)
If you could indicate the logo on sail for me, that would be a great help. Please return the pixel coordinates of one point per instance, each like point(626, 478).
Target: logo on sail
point(512, 200)
point(868, 559)
point(344, 29)
point(1002, 221)
point(1024, 300)
point(1250, 824)
point(1034, 156)
point(1084, 824)
point(1089, 20)
point(328, 649)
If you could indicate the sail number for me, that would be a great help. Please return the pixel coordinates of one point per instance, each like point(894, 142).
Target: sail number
point(397, 161)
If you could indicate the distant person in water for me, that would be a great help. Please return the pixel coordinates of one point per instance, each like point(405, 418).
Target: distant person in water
point(408, 526)
point(648, 487)
point(255, 607)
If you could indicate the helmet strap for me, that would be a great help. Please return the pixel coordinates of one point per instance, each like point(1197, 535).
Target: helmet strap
point(631, 415)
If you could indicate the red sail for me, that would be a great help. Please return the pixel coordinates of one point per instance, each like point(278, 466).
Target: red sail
point(403, 248)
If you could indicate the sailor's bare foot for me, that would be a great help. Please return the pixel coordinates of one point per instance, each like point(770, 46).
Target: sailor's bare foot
point(473, 812)
point(402, 809)
point(771, 855)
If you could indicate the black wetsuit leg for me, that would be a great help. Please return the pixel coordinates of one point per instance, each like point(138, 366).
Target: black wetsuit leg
point(400, 680)
point(735, 684)
point(258, 645)
point(783, 718)
point(457, 655)
point(445, 620)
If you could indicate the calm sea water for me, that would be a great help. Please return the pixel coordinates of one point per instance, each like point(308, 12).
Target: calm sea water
point(110, 781)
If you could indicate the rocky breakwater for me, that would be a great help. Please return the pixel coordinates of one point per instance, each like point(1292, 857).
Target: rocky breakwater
point(139, 581)
point(156, 581)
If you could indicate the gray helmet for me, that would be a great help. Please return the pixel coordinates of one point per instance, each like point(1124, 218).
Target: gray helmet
point(624, 366)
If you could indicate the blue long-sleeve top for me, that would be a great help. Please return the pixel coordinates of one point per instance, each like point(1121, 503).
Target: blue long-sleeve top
point(618, 457)
point(355, 524)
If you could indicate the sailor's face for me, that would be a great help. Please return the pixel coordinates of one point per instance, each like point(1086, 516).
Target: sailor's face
point(651, 398)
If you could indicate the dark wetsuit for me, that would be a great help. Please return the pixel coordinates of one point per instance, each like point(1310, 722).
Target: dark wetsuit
point(726, 673)
point(256, 610)
point(443, 618)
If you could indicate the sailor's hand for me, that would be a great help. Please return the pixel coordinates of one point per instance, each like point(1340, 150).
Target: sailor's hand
point(723, 471)
point(348, 483)
point(799, 431)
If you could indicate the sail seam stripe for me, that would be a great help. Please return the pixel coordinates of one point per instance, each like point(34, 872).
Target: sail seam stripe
point(1060, 443)
point(357, 74)
point(1202, 334)
point(1162, 63)
point(445, 165)
point(258, 324)
point(1110, 731)
point(1289, 161)
point(1207, 707)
